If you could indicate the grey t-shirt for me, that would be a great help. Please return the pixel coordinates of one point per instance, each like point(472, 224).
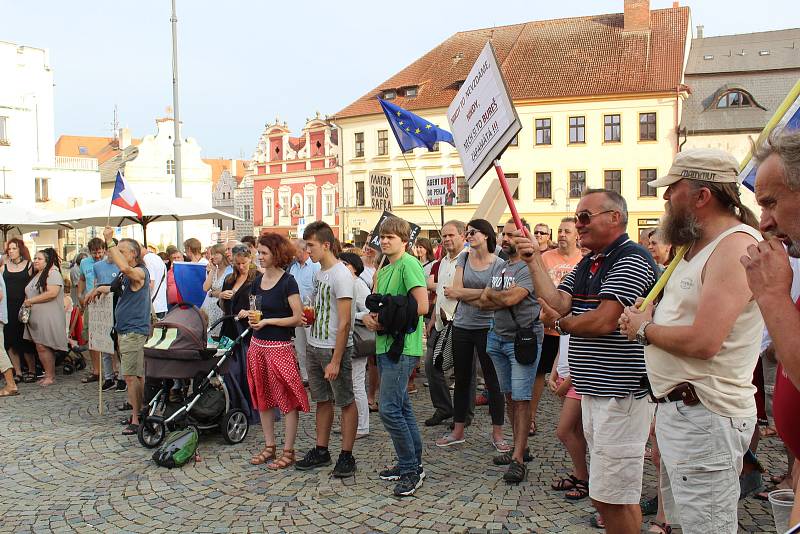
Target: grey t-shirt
point(467, 315)
point(527, 311)
point(330, 286)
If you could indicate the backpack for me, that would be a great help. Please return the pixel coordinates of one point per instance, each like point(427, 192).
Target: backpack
point(179, 448)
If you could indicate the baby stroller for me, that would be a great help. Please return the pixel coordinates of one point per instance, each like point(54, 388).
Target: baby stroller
point(178, 349)
point(73, 359)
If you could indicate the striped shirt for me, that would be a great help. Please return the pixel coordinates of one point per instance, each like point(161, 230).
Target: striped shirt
point(609, 365)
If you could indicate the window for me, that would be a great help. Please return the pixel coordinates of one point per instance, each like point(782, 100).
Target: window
point(246, 215)
point(359, 144)
point(42, 194)
point(411, 92)
point(389, 94)
point(542, 131)
point(543, 185)
point(515, 140)
point(267, 203)
point(311, 204)
point(735, 99)
point(612, 129)
point(647, 126)
point(383, 142)
point(613, 181)
point(3, 131)
point(327, 203)
point(83, 151)
point(514, 175)
point(408, 191)
point(577, 183)
point(170, 166)
point(286, 204)
point(647, 175)
point(360, 194)
point(577, 130)
point(463, 190)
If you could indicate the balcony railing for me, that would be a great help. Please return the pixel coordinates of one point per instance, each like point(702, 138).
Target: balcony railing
point(76, 164)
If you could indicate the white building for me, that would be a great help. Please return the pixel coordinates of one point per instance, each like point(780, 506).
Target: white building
point(31, 173)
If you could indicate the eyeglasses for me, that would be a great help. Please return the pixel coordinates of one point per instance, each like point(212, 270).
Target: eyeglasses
point(538, 232)
point(472, 232)
point(238, 249)
point(585, 217)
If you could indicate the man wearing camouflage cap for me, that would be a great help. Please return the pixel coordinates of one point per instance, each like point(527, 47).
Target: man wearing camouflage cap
point(702, 343)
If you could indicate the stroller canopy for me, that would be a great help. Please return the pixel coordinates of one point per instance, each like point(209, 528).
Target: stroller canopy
point(182, 329)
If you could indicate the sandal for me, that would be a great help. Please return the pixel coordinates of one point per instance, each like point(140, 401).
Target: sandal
point(657, 527)
point(566, 483)
point(502, 446)
point(516, 473)
point(287, 459)
point(264, 456)
point(373, 407)
point(9, 392)
point(506, 457)
point(130, 430)
point(28, 378)
point(580, 491)
point(448, 440)
point(88, 379)
point(532, 429)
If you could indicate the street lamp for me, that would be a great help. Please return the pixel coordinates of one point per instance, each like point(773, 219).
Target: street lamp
point(176, 120)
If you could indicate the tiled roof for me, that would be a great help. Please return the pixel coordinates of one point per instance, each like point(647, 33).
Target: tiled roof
point(747, 52)
point(219, 164)
point(584, 56)
point(102, 148)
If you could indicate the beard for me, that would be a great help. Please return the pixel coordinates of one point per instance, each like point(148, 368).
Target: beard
point(794, 249)
point(511, 250)
point(680, 228)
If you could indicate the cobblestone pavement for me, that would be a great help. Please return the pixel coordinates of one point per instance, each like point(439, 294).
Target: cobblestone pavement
point(67, 469)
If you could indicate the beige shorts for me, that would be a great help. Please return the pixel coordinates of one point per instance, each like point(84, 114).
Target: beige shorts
point(701, 458)
point(616, 431)
point(131, 354)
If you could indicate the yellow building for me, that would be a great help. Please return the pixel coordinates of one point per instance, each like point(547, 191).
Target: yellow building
point(599, 99)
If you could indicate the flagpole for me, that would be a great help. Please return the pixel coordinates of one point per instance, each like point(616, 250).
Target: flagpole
point(430, 214)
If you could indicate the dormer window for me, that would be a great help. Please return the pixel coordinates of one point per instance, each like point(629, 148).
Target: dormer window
point(411, 92)
point(735, 99)
point(389, 94)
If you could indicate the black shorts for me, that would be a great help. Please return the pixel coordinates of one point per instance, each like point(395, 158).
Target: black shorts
point(549, 353)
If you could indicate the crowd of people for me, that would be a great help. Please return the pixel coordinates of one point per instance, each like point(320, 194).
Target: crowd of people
point(684, 380)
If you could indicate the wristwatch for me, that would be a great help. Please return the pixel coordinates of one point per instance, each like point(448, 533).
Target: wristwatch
point(641, 336)
point(557, 326)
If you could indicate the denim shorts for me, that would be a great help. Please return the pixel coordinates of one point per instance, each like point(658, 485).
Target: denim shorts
point(513, 377)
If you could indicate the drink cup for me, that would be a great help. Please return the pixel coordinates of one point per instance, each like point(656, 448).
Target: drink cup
point(255, 316)
point(782, 502)
point(308, 313)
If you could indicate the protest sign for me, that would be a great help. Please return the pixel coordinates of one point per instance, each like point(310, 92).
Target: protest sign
point(101, 320)
point(375, 238)
point(482, 118)
point(380, 191)
point(441, 190)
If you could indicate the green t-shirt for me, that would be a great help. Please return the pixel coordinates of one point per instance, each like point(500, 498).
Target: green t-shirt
point(397, 279)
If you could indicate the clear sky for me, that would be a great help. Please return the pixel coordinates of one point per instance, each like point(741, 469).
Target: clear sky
point(244, 62)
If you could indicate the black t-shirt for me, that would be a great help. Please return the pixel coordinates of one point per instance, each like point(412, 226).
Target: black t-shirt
point(275, 305)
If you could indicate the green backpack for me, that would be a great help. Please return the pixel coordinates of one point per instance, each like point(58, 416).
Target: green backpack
point(179, 448)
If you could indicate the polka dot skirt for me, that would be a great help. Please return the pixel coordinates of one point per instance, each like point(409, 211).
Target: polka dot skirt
point(274, 378)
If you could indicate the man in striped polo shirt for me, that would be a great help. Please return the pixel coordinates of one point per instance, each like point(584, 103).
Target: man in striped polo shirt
point(606, 368)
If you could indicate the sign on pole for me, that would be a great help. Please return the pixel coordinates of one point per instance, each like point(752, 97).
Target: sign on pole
point(380, 191)
point(375, 238)
point(101, 320)
point(441, 190)
point(482, 118)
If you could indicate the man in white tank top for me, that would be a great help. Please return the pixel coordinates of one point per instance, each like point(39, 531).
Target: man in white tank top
point(702, 343)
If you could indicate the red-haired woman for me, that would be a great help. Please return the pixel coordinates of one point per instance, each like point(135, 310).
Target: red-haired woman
point(47, 326)
point(17, 272)
point(272, 371)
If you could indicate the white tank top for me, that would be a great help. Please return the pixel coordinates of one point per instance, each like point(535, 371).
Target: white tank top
point(724, 382)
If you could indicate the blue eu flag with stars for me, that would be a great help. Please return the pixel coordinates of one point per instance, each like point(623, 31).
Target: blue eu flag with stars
point(411, 130)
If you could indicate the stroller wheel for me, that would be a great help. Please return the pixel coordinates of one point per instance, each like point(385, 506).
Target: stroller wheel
point(81, 364)
point(151, 433)
point(234, 426)
point(68, 369)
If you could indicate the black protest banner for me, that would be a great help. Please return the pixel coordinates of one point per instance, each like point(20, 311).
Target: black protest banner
point(375, 237)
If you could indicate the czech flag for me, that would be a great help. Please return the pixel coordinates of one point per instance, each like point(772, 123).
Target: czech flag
point(123, 196)
point(189, 279)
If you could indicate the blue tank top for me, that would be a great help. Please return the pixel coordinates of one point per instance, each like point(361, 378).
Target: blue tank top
point(132, 313)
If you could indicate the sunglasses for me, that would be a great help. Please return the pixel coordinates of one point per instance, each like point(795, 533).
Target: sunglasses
point(238, 249)
point(472, 232)
point(585, 217)
point(538, 232)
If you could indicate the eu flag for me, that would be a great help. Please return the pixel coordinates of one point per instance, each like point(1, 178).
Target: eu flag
point(411, 130)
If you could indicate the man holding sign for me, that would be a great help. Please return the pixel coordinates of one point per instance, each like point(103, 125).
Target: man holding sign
point(606, 368)
point(702, 343)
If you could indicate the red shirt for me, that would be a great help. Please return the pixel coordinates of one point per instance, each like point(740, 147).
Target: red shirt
point(785, 401)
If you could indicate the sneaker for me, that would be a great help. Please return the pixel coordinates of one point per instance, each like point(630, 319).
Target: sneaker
point(313, 459)
point(407, 485)
point(437, 418)
point(345, 466)
point(122, 385)
point(392, 474)
point(109, 384)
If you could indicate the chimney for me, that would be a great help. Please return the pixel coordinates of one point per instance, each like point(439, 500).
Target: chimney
point(124, 138)
point(637, 16)
point(699, 31)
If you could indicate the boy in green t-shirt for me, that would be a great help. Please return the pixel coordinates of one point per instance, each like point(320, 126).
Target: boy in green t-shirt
point(404, 275)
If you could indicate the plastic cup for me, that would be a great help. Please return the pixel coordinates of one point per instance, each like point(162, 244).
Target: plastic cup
point(782, 502)
point(308, 311)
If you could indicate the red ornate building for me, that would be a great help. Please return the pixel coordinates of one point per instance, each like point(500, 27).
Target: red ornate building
point(296, 179)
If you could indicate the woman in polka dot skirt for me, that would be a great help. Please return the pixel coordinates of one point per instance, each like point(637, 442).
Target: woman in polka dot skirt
point(272, 372)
